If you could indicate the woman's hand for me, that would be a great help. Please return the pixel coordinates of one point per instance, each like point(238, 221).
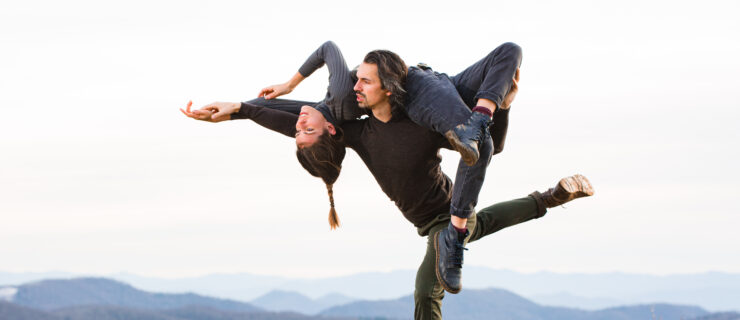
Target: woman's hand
point(213, 112)
point(275, 91)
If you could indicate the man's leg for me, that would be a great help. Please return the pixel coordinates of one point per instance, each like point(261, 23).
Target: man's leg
point(428, 295)
point(506, 214)
point(429, 292)
point(448, 243)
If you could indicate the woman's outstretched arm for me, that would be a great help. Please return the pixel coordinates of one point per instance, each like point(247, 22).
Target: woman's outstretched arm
point(275, 120)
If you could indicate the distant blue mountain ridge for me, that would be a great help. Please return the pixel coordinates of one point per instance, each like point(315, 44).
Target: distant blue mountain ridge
point(279, 300)
point(105, 299)
point(713, 291)
point(55, 294)
point(502, 304)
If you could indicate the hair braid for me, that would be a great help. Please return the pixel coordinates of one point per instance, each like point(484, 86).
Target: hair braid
point(324, 160)
point(333, 217)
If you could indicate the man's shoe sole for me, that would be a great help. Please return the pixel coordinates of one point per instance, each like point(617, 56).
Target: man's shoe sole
point(577, 186)
point(436, 266)
point(469, 156)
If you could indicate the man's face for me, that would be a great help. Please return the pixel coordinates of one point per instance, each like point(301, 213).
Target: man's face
point(310, 125)
point(368, 89)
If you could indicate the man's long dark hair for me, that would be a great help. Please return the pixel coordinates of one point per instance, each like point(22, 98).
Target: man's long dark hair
point(323, 160)
point(392, 73)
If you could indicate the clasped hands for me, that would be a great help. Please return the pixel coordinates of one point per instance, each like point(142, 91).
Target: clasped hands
point(213, 112)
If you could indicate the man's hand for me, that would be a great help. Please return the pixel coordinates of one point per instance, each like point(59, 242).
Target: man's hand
point(509, 98)
point(202, 115)
point(275, 91)
point(213, 112)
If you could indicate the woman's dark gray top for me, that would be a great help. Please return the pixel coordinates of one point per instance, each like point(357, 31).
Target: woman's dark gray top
point(340, 104)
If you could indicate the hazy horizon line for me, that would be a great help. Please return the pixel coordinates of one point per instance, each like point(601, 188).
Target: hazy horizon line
point(218, 273)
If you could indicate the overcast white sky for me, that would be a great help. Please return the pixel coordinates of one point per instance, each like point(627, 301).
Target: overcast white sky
point(100, 173)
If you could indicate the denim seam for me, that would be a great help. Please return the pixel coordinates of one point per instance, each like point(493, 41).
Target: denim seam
point(457, 211)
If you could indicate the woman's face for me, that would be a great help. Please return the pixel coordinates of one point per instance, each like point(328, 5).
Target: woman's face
point(310, 125)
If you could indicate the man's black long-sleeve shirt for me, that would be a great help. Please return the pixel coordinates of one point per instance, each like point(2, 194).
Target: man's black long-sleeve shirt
point(401, 155)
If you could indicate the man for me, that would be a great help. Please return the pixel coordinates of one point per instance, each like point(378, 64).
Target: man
point(414, 180)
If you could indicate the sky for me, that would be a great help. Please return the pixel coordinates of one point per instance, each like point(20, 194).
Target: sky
point(100, 173)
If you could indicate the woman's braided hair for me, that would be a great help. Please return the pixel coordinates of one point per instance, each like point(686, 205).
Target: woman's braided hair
point(323, 160)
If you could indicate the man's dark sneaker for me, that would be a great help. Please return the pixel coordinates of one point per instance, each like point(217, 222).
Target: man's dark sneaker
point(567, 189)
point(466, 137)
point(448, 243)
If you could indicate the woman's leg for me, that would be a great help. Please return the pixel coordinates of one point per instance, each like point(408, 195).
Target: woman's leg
point(487, 82)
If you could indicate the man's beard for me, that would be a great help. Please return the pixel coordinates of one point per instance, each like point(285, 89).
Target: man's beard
point(363, 104)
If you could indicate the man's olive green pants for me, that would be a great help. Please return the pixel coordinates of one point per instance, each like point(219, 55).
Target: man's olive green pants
point(429, 292)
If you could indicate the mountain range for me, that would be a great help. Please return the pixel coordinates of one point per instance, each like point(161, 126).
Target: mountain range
point(713, 291)
point(502, 304)
point(280, 300)
point(105, 299)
